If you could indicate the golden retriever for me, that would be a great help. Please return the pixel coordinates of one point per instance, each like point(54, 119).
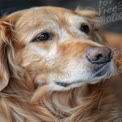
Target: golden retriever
point(51, 67)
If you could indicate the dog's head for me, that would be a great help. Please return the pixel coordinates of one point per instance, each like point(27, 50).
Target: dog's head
point(53, 45)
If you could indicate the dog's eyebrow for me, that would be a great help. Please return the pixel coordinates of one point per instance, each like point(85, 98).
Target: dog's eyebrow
point(46, 27)
point(76, 17)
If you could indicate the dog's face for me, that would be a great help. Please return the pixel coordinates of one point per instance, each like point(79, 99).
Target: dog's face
point(55, 46)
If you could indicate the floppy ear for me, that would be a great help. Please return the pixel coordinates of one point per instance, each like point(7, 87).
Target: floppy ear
point(4, 41)
point(7, 37)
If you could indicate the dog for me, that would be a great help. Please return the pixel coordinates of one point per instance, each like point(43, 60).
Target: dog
point(52, 62)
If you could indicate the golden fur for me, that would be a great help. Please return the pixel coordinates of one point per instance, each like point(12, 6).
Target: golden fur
point(26, 95)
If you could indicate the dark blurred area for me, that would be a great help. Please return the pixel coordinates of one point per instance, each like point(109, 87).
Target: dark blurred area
point(111, 9)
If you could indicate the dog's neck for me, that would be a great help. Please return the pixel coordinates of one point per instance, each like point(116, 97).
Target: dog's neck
point(55, 104)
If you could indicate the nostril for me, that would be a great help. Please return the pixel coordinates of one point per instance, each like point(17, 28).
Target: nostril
point(110, 55)
point(99, 56)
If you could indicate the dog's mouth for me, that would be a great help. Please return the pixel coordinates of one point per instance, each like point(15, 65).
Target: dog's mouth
point(65, 84)
point(99, 72)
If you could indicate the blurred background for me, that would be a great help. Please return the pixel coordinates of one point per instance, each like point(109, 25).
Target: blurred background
point(110, 9)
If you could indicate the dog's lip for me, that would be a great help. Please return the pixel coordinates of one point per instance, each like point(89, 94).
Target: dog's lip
point(101, 70)
point(97, 67)
point(66, 84)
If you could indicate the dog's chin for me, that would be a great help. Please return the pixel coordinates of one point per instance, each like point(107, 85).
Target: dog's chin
point(98, 74)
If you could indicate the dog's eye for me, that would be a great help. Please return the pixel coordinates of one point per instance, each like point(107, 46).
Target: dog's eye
point(85, 28)
point(45, 36)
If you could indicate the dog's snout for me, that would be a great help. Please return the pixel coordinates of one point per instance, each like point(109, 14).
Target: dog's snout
point(99, 55)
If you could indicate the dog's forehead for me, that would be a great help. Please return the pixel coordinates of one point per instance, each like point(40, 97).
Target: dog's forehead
point(41, 15)
point(40, 12)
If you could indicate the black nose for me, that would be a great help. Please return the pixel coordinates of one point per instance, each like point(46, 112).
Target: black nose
point(99, 55)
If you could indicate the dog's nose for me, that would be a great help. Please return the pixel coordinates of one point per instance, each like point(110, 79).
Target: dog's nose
point(99, 55)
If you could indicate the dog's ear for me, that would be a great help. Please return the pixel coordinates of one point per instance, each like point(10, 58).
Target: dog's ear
point(86, 12)
point(6, 47)
point(4, 40)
